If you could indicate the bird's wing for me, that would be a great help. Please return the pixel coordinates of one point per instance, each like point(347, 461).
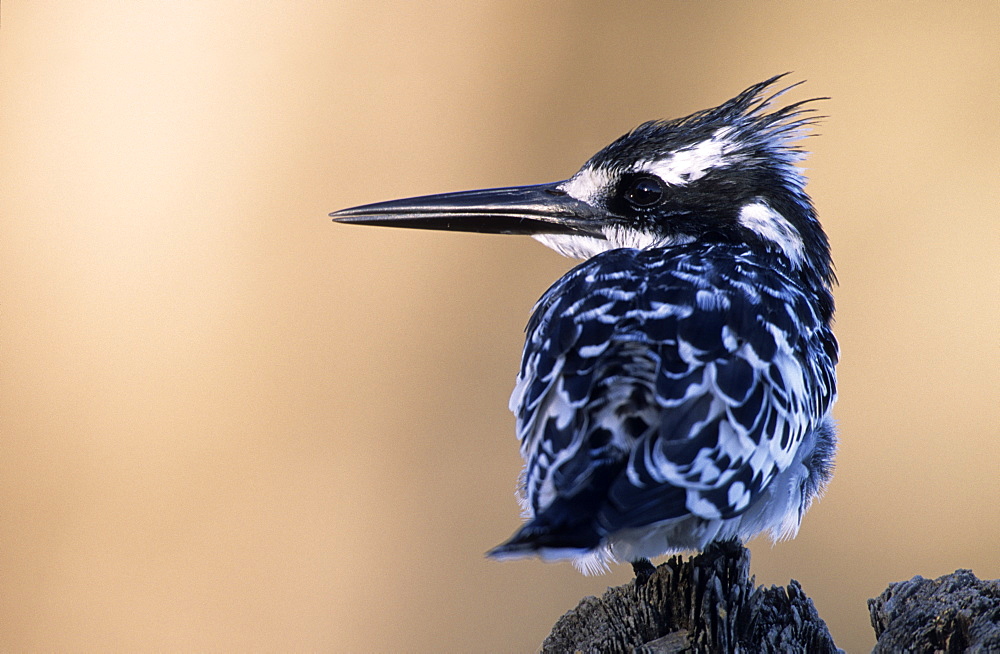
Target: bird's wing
point(654, 388)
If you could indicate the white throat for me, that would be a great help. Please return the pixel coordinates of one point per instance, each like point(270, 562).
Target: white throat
point(615, 237)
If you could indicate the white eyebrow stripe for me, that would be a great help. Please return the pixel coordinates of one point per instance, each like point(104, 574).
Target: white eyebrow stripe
point(767, 223)
point(693, 162)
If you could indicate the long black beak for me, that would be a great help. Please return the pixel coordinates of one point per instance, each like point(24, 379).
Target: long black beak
point(541, 209)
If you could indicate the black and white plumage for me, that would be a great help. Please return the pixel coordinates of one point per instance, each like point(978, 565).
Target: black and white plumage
point(676, 387)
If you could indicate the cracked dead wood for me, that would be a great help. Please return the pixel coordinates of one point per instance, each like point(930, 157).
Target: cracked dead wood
point(707, 603)
point(953, 613)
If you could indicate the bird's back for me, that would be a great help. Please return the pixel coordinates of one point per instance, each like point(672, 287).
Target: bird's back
point(663, 394)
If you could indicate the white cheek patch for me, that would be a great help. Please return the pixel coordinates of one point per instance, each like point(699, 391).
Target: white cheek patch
point(588, 185)
point(771, 225)
point(693, 162)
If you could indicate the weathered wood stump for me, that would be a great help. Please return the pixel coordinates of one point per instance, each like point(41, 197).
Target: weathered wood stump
point(953, 613)
point(707, 603)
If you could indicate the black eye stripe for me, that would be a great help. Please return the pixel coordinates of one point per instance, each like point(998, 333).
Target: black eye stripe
point(644, 191)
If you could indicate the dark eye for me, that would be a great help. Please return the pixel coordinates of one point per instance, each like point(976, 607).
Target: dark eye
point(644, 192)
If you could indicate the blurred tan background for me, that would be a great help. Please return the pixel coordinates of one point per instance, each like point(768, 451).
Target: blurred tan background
point(229, 424)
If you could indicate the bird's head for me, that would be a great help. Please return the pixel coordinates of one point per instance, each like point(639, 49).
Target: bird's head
point(722, 175)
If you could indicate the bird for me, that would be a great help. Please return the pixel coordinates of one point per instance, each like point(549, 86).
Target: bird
point(676, 387)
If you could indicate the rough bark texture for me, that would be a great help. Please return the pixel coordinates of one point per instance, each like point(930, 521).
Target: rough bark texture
point(708, 603)
point(954, 613)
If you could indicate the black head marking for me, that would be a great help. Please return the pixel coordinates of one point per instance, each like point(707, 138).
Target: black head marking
point(727, 173)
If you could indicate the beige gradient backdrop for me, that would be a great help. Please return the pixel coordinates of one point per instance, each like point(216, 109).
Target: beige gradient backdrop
point(229, 424)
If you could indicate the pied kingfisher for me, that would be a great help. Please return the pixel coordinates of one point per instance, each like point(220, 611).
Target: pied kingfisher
point(676, 387)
